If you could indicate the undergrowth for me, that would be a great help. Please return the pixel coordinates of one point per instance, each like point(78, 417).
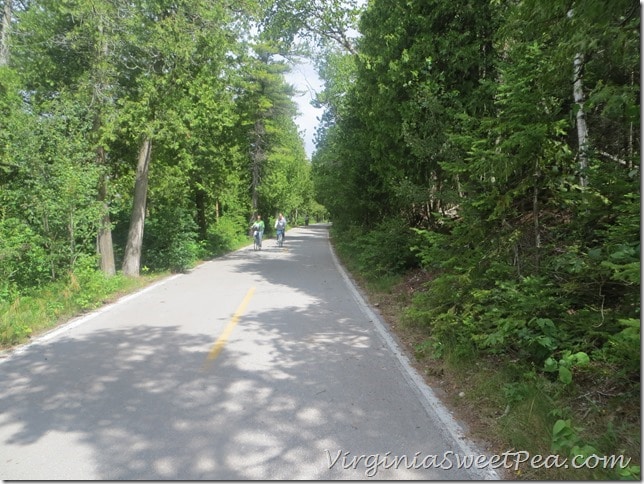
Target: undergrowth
point(40, 309)
point(543, 401)
point(513, 406)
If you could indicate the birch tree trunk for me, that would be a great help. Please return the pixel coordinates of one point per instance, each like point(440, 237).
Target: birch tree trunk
point(4, 32)
point(132, 257)
point(578, 96)
point(582, 129)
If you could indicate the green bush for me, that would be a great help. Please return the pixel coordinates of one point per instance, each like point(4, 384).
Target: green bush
point(384, 250)
point(23, 260)
point(624, 349)
point(226, 234)
point(170, 241)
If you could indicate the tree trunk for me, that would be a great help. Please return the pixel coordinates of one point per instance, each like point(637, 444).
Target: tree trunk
point(200, 203)
point(535, 215)
point(578, 96)
point(631, 132)
point(4, 32)
point(104, 244)
point(132, 257)
point(582, 129)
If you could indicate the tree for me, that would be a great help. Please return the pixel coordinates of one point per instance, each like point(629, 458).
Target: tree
point(63, 46)
point(171, 40)
point(266, 116)
point(5, 29)
point(304, 24)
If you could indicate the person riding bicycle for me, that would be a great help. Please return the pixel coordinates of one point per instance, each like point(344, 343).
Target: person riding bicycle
point(280, 226)
point(259, 227)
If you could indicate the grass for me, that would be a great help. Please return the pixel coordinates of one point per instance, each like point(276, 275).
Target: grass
point(44, 308)
point(509, 405)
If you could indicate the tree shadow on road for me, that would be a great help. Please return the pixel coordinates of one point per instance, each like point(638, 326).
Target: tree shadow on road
point(295, 392)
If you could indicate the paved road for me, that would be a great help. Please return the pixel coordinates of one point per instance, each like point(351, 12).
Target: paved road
point(256, 365)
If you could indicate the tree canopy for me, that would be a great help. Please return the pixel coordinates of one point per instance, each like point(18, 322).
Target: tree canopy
point(493, 146)
point(120, 116)
point(497, 142)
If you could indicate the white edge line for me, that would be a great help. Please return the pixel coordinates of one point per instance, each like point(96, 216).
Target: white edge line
point(75, 322)
point(432, 404)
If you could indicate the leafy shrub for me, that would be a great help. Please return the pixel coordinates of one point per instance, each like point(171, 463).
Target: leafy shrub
point(519, 317)
point(170, 241)
point(226, 233)
point(384, 250)
point(23, 260)
point(624, 348)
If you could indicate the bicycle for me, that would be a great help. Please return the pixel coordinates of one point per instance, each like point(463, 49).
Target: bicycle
point(257, 230)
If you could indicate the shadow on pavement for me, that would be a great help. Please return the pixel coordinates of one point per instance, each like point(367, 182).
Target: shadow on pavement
point(279, 416)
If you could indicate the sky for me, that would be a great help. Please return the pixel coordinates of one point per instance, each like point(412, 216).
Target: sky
point(304, 77)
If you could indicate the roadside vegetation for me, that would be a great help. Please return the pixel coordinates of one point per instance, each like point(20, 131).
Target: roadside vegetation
point(44, 308)
point(490, 151)
point(480, 162)
point(510, 403)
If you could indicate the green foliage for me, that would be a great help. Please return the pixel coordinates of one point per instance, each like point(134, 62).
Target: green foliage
point(428, 348)
point(171, 241)
point(39, 309)
point(565, 365)
point(226, 234)
point(566, 440)
point(49, 194)
point(309, 25)
point(623, 349)
point(378, 251)
point(630, 472)
point(23, 259)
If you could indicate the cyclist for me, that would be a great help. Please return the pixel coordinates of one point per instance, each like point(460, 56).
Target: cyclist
point(280, 227)
point(259, 226)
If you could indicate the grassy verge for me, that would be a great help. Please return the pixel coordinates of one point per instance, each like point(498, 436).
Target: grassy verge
point(509, 406)
point(44, 308)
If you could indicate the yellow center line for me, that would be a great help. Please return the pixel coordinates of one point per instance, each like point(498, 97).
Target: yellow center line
point(221, 341)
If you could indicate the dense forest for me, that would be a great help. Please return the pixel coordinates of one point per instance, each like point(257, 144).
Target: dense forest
point(493, 146)
point(139, 136)
point(496, 145)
